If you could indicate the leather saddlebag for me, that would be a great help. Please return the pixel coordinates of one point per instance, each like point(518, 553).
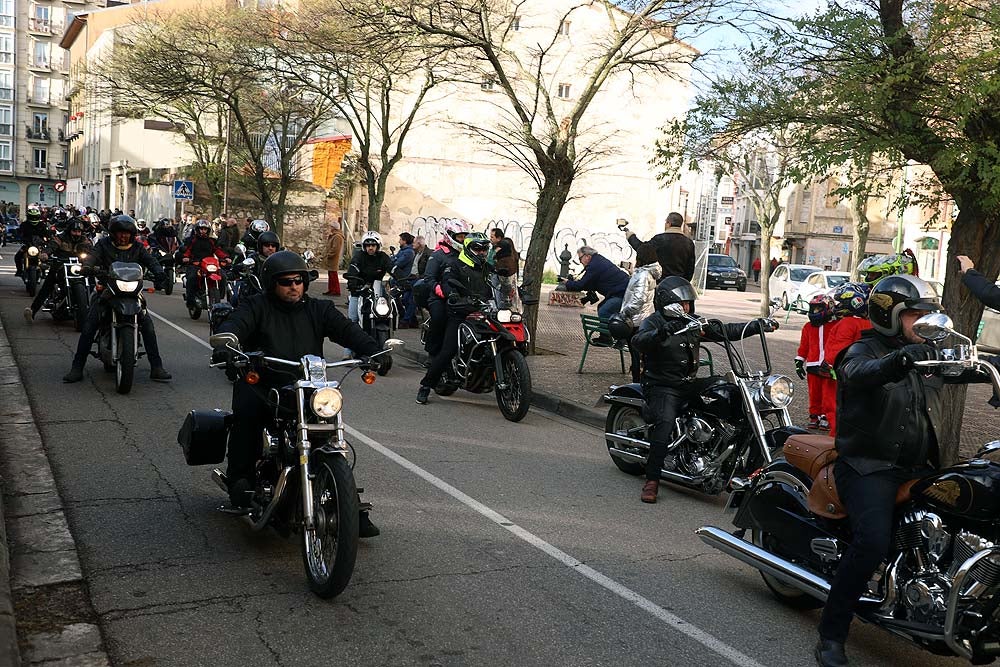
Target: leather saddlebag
point(810, 453)
point(203, 436)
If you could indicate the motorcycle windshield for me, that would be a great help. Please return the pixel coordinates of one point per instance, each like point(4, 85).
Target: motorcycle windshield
point(126, 271)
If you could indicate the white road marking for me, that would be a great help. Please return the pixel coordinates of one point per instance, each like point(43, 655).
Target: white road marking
point(676, 622)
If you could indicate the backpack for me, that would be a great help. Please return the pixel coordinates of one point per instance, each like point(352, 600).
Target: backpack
point(421, 291)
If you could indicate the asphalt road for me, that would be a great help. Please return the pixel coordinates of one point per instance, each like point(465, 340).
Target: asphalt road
point(502, 544)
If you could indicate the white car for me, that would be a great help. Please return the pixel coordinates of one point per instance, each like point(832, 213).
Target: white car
point(787, 279)
point(820, 282)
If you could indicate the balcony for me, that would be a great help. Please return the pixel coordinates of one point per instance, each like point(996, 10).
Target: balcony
point(38, 26)
point(37, 134)
point(38, 64)
point(37, 98)
point(36, 169)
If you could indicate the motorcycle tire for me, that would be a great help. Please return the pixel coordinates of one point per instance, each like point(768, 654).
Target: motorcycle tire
point(194, 312)
point(445, 389)
point(515, 400)
point(31, 280)
point(125, 368)
point(787, 595)
point(213, 296)
point(385, 361)
point(168, 284)
point(329, 550)
point(78, 299)
point(624, 418)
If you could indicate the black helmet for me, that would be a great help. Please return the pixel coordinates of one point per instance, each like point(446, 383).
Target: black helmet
point(280, 263)
point(673, 289)
point(76, 224)
point(894, 294)
point(122, 223)
point(267, 237)
point(620, 327)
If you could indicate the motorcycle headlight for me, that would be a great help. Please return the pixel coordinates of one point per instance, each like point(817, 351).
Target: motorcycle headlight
point(33, 251)
point(211, 268)
point(127, 285)
point(777, 390)
point(382, 307)
point(326, 402)
point(75, 269)
point(504, 316)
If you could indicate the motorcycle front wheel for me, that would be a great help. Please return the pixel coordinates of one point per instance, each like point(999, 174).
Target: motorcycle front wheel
point(125, 368)
point(515, 400)
point(168, 284)
point(330, 548)
point(78, 299)
point(622, 419)
point(31, 280)
point(385, 361)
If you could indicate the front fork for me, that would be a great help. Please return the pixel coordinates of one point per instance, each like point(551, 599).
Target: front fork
point(308, 519)
point(498, 366)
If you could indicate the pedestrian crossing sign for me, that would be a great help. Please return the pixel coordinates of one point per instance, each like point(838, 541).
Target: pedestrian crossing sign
point(183, 190)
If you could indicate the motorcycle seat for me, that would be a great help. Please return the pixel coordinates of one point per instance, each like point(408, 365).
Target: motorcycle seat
point(824, 500)
point(810, 453)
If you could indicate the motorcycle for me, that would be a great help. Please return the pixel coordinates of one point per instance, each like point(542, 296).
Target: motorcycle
point(304, 479)
point(492, 345)
point(208, 287)
point(378, 316)
point(732, 427)
point(118, 336)
point(938, 586)
point(70, 297)
point(34, 268)
point(165, 255)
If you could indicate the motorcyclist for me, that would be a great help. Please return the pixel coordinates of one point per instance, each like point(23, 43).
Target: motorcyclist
point(201, 246)
point(164, 235)
point(34, 232)
point(268, 243)
point(69, 243)
point(367, 265)
point(888, 415)
point(445, 255)
point(254, 229)
point(282, 322)
point(118, 246)
point(670, 356)
point(470, 273)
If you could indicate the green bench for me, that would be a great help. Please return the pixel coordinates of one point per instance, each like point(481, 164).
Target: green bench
point(594, 327)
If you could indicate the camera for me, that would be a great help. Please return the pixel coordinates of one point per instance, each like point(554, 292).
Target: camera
point(589, 297)
point(622, 224)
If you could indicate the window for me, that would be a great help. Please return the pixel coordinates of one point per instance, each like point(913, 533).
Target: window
point(563, 91)
point(39, 90)
point(6, 121)
point(7, 49)
point(40, 54)
point(6, 151)
point(6, 85)
point(58, 91)
point(40, 123)
point(7, 13)
point(489, 82)
point(39, 20)
point(40, 159)
point(722, 261)
point(564, 28)
point(515, 23)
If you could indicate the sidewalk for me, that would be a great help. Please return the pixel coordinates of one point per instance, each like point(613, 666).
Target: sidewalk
point(559, 388)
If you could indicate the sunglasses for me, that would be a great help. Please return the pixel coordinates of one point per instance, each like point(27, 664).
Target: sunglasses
point(288, 282)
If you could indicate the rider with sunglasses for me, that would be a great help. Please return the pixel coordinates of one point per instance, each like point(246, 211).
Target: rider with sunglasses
point(282, 322)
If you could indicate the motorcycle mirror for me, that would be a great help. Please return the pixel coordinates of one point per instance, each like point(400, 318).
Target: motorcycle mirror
point(990, 451)
point(240, 248)
point(308, 255)
point(314, 275)
point(249, 261)
point(675, 308)
point(225, 339)
point(394, 343)
point(933, 326)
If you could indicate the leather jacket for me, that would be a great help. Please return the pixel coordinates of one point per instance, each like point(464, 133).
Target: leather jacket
point(366, 269)
point(440, 260)
point(105, 253)
point(670, 359)
point(638, 302)
point(62, 245)
point(888, 413)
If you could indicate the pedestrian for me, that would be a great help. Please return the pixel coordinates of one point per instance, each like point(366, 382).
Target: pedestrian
point(812, 365)
point(402, 273)
point(756, 270)
point(602, 276)
point(774, 264)
point(505, 263)
point(674, 250)
point(638, 302)
point(421, 254)
point(334, 254)
point(850, 312)
point(984, 290)
point(229, 235)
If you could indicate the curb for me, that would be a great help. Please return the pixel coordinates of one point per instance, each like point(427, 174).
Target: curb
point(38, 556)
point(541, 399)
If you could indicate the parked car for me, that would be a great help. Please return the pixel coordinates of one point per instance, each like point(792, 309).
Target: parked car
point(12, 230)
point(787, 279)
point(723, 273)
point(819, 283)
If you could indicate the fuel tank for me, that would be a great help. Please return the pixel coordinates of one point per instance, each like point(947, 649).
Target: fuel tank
point(970, 491)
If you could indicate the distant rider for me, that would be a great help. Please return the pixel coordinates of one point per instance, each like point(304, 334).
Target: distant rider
point(198, 248)
point(34, 232)
point(69, 243)
point(445, 255)
point(367, 265)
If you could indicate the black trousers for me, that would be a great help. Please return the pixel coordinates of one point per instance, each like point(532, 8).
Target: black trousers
point(54, 274)
point(251, 415)
point(89, 332)
point(448, 348)
point(870, 501)
point(435, 328)
point(662, 404)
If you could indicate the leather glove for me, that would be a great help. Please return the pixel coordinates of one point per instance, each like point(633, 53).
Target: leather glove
point(919, 352)
point(800, 368)
point(826, 370)
point(222, 355)
point(770, 324)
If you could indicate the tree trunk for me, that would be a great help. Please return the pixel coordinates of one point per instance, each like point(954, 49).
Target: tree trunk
point(551, 199)
point(765, 269)
point(376, 197)
point(860, 231)
point(976, 234)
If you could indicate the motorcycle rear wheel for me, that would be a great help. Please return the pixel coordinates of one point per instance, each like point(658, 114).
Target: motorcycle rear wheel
point(330, 548)
point(787, 595)
point(194, 312)
point(515, 400)
point(125, 368)
point(168, 284)
point(78, 299)
point(624, 418)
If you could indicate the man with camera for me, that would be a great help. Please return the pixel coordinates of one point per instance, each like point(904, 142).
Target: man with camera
point(674, 250)
point(600, 275)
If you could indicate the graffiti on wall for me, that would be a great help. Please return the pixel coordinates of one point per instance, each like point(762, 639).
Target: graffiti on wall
point(613, 245)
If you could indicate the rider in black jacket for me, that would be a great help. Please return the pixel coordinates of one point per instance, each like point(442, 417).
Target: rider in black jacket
point(367, 265)
point(118, 246)
point(445, 255)
point(888, 415)
point(670, 355)
point(282, 322)
point(69, 243)
point(34, 231)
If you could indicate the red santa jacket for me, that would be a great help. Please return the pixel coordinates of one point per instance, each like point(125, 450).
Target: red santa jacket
point(812, 345)
point(842, 334)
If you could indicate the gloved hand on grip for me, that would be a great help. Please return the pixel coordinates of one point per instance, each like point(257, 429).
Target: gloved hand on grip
point(920, 352)
point(770, 324)
point(800, 368)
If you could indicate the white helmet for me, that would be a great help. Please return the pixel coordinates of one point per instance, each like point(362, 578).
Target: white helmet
point(453, 228)
point(259, 226)
point(141, 223)
point(371, 237)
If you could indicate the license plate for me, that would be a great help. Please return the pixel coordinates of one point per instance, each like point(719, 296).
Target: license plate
point(729, 282)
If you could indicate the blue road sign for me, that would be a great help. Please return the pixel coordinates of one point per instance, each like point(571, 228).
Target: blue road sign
point(183, 190)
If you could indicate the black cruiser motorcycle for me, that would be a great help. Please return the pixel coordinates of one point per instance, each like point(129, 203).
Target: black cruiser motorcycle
point(939, 587)
point(118, 336)
point(734, 425)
